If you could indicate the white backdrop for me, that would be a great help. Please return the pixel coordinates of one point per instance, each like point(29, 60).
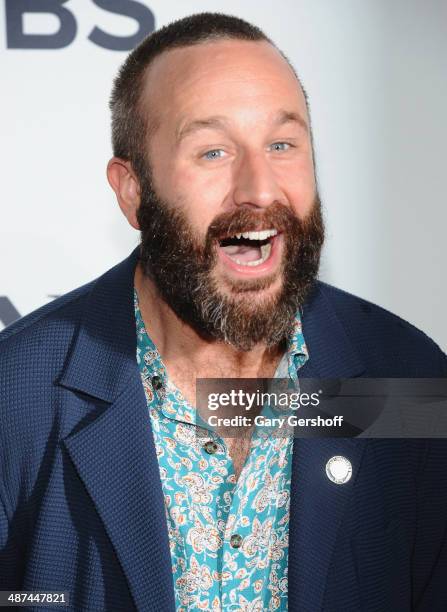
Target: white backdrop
point(376, 76)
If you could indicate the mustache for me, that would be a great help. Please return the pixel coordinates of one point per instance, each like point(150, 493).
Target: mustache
point(276, 216)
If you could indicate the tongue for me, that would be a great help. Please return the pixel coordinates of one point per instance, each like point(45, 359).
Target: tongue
point(243, 253)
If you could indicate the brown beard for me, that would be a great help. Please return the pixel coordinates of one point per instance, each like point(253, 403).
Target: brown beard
point(181, 265)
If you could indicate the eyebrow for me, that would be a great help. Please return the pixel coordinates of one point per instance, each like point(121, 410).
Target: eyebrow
point(284, 116)
point(216, 122)
point(220, 122)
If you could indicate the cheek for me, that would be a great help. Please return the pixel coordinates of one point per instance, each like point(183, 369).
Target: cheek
point(204, 192)
point(299, 185)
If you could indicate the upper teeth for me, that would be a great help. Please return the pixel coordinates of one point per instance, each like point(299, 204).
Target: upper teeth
point(257, 235)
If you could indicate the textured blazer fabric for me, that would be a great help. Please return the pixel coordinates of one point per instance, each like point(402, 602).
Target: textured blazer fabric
point(81, 504)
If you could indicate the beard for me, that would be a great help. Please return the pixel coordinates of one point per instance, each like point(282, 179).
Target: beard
point(182, 265)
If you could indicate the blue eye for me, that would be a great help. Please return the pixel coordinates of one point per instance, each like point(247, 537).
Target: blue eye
point(213, 154)
point(280, 146)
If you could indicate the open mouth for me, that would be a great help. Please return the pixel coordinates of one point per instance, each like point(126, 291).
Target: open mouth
point(249, 248)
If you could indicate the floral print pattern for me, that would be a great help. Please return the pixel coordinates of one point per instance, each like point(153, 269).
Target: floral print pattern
point(205, 505)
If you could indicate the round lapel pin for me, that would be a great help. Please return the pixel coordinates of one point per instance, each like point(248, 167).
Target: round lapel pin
point(339, 469)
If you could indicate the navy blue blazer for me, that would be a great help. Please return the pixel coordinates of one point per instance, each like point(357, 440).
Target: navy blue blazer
point(81, 504)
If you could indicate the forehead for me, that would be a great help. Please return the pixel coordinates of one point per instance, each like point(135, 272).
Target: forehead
point(220, 76)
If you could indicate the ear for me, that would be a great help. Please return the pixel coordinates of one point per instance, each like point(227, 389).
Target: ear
point(125, 184)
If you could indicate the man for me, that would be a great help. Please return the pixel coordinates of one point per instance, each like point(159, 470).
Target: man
point(107, 492)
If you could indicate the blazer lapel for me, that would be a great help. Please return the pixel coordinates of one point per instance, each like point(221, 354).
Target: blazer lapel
point(317, 504)
point(112, 449)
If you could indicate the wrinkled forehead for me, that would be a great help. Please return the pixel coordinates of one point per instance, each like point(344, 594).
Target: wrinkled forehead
point(180, 80)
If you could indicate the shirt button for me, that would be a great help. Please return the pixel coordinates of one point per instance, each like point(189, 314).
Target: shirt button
point(157, 383)
point(235, 540)
point(210, 447)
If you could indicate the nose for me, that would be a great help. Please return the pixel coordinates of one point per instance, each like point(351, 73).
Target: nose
point(255, 183)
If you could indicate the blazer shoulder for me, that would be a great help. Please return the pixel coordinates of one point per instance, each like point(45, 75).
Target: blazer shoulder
point(62, 311)
point(381, 334)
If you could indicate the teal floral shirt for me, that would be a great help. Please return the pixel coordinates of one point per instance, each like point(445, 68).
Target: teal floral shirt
point(228, 538)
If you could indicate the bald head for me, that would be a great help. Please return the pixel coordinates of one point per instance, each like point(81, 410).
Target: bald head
point(132, 116)
point(206, 77)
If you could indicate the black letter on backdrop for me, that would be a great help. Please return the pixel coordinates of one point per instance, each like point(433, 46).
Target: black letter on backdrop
point(17, 39)
point(130, 8)
point(8, 313)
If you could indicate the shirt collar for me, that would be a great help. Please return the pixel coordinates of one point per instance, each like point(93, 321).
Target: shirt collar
point(169, 399)
point(296, 352)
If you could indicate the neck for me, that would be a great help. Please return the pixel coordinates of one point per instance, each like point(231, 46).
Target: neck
point(178, 343)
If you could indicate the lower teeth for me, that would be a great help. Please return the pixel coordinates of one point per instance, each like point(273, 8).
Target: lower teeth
point(265, 253)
